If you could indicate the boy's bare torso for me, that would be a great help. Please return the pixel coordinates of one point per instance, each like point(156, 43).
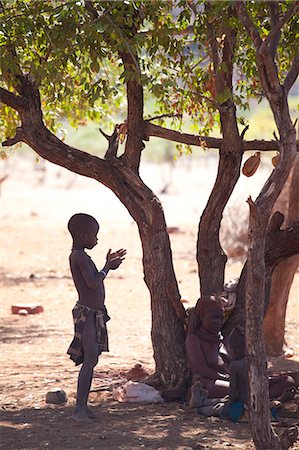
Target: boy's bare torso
point(90, 289)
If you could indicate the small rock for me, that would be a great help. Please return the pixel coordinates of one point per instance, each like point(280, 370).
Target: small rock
point(56, 396)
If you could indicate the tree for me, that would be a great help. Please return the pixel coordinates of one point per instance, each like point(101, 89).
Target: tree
point(66, 36)
point(97, 50)
point(283, 275)
point(276, 91)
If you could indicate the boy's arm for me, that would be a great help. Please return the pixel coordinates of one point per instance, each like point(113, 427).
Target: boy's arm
point(92, 279)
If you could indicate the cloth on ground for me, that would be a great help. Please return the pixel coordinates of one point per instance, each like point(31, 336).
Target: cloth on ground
point(136, 392)
point(233, 411)
point(80, 313)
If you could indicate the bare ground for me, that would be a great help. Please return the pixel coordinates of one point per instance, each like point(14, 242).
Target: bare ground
point(35, 207)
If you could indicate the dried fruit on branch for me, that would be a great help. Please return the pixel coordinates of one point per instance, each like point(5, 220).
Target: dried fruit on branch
point(250, 166)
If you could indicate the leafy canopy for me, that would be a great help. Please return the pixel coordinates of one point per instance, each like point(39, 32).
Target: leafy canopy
point(72, 50)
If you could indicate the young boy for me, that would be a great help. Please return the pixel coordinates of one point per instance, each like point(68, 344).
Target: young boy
point(89, 314)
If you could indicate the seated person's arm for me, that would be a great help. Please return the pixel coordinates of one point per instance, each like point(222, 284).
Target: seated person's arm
point(92, 278)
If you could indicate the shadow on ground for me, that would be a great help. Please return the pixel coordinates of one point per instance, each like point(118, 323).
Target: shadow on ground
point(118, 426)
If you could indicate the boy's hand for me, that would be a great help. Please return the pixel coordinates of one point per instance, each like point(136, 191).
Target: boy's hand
point(114, 259)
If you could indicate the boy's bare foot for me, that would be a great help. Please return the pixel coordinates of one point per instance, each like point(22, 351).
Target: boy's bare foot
point(81, 415)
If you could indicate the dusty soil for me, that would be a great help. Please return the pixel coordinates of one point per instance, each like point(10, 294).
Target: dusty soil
point(36, 203)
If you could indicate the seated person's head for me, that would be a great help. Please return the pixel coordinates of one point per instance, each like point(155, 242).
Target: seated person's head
point(236, 344)
point(209, 310)
point(84, 229)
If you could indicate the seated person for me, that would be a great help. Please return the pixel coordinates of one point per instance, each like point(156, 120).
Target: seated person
point(203, 344)
point(280, 387)
point(233, 406)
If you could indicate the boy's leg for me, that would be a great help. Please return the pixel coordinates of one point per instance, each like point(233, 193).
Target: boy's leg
point(90, 354)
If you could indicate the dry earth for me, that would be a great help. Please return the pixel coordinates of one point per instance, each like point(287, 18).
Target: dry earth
point(35, 207)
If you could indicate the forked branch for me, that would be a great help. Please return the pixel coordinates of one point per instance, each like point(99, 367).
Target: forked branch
point(113, 141)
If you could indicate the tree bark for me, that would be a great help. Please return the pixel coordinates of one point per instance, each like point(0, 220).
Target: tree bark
point(151, 129)
point(283, 275)
point(281, 245)
point(263, 434)
point(211, 258)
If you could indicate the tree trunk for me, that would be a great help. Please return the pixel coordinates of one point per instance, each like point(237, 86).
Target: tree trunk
point(168, 335)
point(168, 313)
point(263, 434)
point(283, 275)
point(211, 258)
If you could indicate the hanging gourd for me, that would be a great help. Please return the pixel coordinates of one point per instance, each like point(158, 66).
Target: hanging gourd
point(250, 166)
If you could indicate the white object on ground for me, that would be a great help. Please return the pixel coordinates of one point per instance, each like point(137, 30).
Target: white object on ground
point(136, 392)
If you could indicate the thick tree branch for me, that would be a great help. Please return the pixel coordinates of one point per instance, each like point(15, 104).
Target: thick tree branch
point(113, 141)
point(213, 46)
point(227, 58)
point(10, 99)
point(280, 243)
point(265, 60)
point(135, 133)
point(151, 129)
point(248, 24)
point(292, 75)
point(276, 29)
point(19, 137)
point(274, 15)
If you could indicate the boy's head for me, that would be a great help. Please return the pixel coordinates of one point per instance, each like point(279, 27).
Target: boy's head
point(84, 229)
point(236, 344)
